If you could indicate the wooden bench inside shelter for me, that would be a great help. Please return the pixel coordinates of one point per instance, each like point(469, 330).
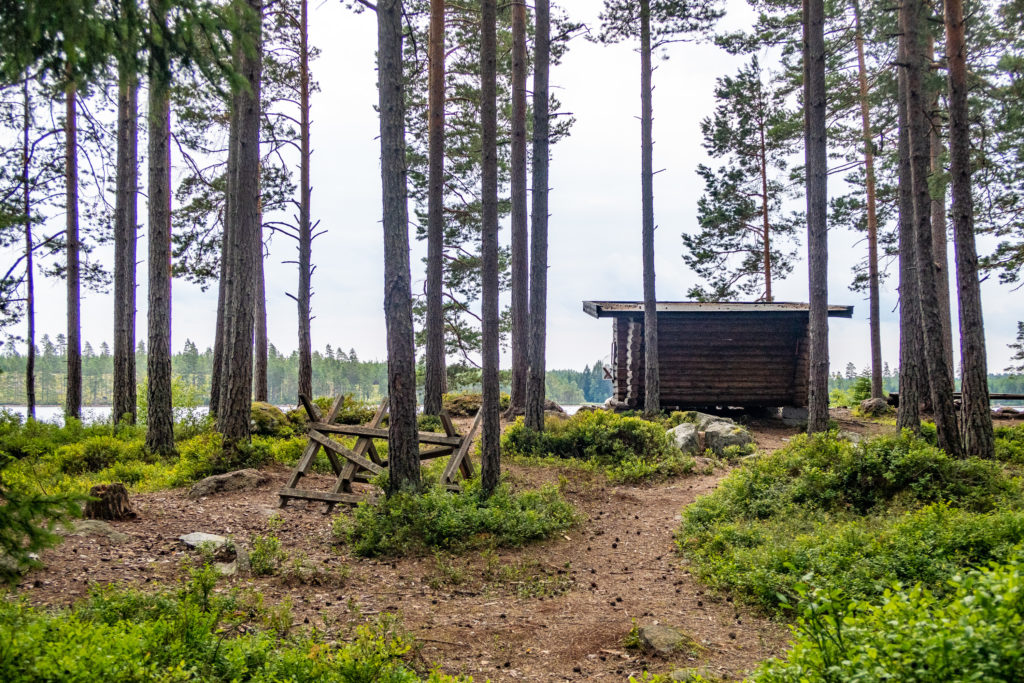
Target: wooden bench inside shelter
point(362, 462)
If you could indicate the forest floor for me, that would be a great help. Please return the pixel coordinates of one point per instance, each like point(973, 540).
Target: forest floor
point(557, 610)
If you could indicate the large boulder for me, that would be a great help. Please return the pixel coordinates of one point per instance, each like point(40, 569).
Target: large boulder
point(95, 527)
point(239, 480)
point(723, 434)
point(875, 407)
point(685, 437)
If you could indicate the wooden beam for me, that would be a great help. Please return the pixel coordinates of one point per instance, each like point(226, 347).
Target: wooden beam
point(379, 433)
point(460, 461)
point(330, 444)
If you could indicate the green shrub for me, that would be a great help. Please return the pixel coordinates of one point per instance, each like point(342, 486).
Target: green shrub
point(861, 389)
point(429, 423)
point(1010, 444)
point(266, 555)
point(856, 517)
point(977, 634)
point(195, 634)
point(197, 457)
point(439, 519)
point(97, 453)
point(269, 420)
point(627, 448)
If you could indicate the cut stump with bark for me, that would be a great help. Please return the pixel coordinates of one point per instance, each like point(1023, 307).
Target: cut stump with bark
point(111, 503)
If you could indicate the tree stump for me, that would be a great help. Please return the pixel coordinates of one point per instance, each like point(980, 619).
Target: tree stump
point(111, 504)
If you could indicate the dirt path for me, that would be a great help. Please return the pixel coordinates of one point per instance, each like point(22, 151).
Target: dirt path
point(553, 611)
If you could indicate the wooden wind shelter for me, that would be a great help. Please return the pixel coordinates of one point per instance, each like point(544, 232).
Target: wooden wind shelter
point(362, 462)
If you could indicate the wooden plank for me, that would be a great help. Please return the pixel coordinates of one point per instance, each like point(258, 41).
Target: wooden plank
point(462, 456)
point(431, 453)
point(446, 422)
point(311, 410)
point(378, 433)
point(312, 448)
point(332, 445)
point(361, 447)
point(328, 497)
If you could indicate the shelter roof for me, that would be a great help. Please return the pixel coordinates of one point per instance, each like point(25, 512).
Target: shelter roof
point(610, 309)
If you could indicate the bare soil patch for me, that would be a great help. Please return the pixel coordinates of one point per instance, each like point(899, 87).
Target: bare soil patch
point(553, 611)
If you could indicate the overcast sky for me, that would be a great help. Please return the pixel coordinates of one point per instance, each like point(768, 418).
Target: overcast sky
point(595, 209)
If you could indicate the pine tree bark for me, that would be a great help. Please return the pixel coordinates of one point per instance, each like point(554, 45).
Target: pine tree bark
point(305, 292)
point(939, 375)
point(535, 389)
point(908, 414)
point(233, 414)
point(73, 398)
point(765, 224)
point(520, 236)
point(939, 243)
point(874, 312)
point(817, 207)
point(652, 384)
point(224, 283)
point(403, 449)
point(30, 288)
point(977, 420)
point(125, 244)
point(434, 379)
point(160, 418)
point(490, 437)
point(259, 368)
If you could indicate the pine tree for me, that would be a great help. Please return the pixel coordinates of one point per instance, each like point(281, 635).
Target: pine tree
point(654, 23)
point(743, 242)
point(434, 361)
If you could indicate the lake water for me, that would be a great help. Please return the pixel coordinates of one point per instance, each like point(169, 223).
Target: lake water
point(94, 414)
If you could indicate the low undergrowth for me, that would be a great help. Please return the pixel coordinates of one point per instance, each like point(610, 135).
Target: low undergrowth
point(193, 634)
point(441, 520)
point(857, 518)
point(975, 633)
point(627, 449)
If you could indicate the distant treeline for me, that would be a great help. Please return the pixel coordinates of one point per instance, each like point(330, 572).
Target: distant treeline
point(997, 384)
point(334, 372)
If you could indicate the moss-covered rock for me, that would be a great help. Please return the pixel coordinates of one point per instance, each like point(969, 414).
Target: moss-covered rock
point(269, 420)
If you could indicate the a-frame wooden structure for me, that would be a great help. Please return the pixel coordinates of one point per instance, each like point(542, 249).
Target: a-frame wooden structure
point(362, 462)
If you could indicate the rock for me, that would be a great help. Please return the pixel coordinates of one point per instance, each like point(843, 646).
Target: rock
point(239, 480)
point(557, 414)
point(852, 437)
point(94, 527)
point(665, 640)
point(685, 437)
point(615, 405)
point(591, 408)
point(794, 416)
point(1007, 411)
point(226, 568)
point(703, 464)
point(875, 407)
point(198, 538)
point(551, 406)
point(702, 420)
point(242, 559)
point(721, 435)
point(268, 420)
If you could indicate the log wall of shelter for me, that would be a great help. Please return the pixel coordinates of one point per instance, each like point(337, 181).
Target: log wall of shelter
point(707, 359)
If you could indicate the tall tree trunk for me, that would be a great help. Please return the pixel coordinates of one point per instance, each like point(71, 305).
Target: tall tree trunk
point(911, 376)
point(939, 375)
point(434, 379)
point(874, 313)
point(939, 239)
point(73, 398)
point(234, 412)
point(403, 448)
point(259, 370)
point(520, 236)
point(490, 446)
point(305, 292)
point(766, 226)
point(224, 282)
point(30, 288)
point(817, 207)
point(977, 420)
point(125, 244)
point(535, 389)
point(160, 427)
point(652, 383)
